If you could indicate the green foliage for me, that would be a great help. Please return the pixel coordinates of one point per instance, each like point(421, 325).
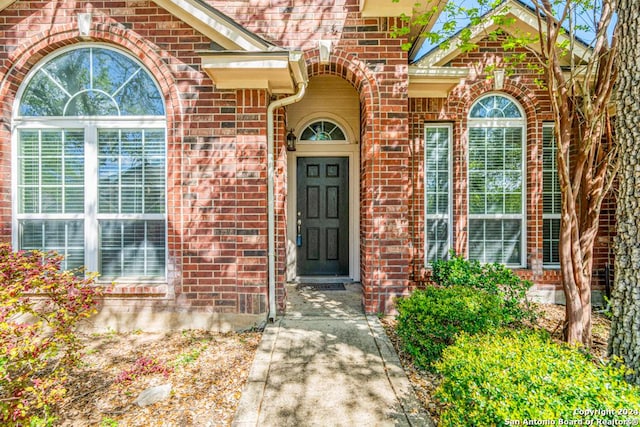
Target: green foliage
point(430, 319)
point(40, 305)
point(108, 422)
point(496, 279)
point(190, 357)
point(524, 375)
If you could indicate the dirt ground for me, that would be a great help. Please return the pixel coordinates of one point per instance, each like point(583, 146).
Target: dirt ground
point(206, 371)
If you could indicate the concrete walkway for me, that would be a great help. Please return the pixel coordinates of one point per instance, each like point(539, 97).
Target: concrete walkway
point(326, 363)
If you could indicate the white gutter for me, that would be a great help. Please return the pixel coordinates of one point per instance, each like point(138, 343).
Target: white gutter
point(271, 219)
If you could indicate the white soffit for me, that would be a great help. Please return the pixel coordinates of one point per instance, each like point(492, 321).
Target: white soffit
point(434, 82)
point(278, 72)
point(6, 3)
point(212, 24)
point(374, 8)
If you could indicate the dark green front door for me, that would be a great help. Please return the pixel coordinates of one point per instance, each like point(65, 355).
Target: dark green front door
point(323, 216)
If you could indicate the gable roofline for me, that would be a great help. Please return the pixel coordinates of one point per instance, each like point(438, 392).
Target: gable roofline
point(415, 34)
point(526, 19)
point(215, 25)
point(210, 22)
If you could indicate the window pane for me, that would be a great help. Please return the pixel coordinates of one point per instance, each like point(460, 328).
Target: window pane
point(551, 239)
point(132, 249)
point(491, 171)
point(91, 103)
point(322, 131)
point(131, 171)
point(494, 106)
point(91, 81)
point(51, 171)
point(437, 238)
point(495, 240)
point(437, 192)
point(63, 237)
point(551, 198)
point(496, 182)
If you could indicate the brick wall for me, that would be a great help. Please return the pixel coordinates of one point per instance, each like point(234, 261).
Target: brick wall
point(217, 141)
point(216, 150)
point(455, 109)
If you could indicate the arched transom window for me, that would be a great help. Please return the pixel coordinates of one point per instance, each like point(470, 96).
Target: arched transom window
point(90, 163)
point(496, 173)
point(323, 130)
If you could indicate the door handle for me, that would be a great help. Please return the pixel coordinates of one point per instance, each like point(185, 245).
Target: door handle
point(299, 235)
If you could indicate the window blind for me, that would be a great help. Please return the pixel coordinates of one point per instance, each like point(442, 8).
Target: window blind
point(495, 172)
point(437, 190)
point(551, 198)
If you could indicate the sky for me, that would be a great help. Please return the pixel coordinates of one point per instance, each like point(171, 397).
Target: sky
point(462, 22)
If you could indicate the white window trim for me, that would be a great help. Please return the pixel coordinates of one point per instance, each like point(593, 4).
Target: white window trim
point(324, 117)
point(449, 216)
point(504, 122)
point(549, 265)
point(90, 125)
point(91, 217)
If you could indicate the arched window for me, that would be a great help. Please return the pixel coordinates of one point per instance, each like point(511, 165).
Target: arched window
point(323, 130)
point(91, 164)
point(496, 173)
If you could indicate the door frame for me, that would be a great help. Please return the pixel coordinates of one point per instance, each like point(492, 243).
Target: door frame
point(352, 152)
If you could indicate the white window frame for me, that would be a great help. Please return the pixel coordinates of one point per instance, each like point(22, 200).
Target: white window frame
point(449, 215)
point(545, 216)
point(503, 123)
point(90, 125)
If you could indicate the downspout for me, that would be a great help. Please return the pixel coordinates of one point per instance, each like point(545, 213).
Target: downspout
point(271, 217)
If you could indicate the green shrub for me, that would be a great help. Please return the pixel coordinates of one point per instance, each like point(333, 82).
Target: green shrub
point(429, 319)
point(39, 309)
point(497, 378)
point(495, 279)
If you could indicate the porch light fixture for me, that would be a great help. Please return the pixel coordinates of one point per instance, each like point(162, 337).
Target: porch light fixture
point(498, 79)
point(291, 141)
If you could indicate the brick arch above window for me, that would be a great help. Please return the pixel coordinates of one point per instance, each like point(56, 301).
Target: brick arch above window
point(32, 50)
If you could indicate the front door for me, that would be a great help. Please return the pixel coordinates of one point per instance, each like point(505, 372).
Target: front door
point(322, 222)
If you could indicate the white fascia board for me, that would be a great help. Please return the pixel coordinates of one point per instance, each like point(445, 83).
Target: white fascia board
point(203, 20)
point(526, 20)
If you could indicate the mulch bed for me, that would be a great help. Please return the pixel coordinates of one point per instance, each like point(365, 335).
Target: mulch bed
point(206, 370)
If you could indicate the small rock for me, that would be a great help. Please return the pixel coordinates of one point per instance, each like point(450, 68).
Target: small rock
point(153, 395)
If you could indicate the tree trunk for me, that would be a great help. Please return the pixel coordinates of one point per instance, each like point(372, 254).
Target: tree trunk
point(625, 300)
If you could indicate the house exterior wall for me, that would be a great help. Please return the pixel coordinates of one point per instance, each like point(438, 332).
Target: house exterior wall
point(216, 143)
point(521, 86)
point(216, 152)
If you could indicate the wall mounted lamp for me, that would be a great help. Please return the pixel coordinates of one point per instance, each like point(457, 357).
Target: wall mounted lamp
point(291, 141)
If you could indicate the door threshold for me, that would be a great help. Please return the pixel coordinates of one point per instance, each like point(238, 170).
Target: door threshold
point(323, 279)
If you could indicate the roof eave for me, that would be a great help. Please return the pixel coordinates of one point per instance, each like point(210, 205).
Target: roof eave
point(279, 72)
point(434, 82)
